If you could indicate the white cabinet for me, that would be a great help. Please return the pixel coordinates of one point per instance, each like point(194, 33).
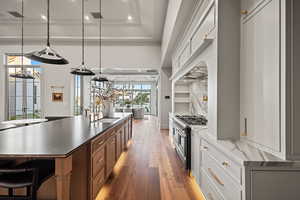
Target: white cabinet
point(213, 36)
point(273, 184)
point(204, 28)
point(260, 77)
point(195, 156)
point(261, 181)
point(250, 5)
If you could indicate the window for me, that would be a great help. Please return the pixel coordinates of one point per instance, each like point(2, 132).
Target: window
point(134, 95)
point(78, 95)
point(23, 96)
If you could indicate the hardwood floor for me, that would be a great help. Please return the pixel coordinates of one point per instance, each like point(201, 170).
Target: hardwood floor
point(150, 169)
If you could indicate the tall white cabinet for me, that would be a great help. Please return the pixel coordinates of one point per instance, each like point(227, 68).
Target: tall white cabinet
point(269, 74)
point(260, 75)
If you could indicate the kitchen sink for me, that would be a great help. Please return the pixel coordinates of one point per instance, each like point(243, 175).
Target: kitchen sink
point(108, 120)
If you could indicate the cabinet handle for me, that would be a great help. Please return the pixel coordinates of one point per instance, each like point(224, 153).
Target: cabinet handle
point(215, 177)
point(226, 164)
point(100, 143)
point(244, 12)
point(205, 148)
point(245, 133)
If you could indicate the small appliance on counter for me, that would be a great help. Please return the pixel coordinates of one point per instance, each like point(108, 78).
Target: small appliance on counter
point(182, 135)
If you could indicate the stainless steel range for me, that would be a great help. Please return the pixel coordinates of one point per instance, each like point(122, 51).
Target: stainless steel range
point(182, 135)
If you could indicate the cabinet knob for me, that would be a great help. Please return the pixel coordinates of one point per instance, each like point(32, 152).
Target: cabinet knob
point(244, 12)
point(205, 148)
point(226, 164)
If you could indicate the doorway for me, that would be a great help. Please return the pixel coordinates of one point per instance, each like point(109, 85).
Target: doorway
point(23, 96)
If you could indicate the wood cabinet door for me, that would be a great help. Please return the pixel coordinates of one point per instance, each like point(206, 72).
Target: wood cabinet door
point(110, 154)
point(119, 144)
point(260, 77)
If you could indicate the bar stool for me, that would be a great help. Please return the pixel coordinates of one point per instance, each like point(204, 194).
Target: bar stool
point(29, 175)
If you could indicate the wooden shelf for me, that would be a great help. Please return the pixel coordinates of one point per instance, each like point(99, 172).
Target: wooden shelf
point(182, 92)
point(182, 100)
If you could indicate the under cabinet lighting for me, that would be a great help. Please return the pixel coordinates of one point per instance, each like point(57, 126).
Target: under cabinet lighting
point(87, 18)
point(44, 17)
point(130, 18)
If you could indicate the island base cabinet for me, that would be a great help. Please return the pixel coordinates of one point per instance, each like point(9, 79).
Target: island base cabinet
point(105, 151)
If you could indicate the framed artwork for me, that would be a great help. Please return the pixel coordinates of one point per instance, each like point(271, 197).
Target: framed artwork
point(57, 97)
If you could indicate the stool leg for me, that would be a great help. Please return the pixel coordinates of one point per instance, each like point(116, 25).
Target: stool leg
point(33, 193)
point(28, 191)
point(10, 192)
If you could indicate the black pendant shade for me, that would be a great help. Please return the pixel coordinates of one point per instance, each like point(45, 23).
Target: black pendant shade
point(47, 55)
point(22, 74)
point(82, 70)
point(100, 78)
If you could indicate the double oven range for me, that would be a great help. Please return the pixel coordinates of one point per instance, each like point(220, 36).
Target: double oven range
point(182, 136)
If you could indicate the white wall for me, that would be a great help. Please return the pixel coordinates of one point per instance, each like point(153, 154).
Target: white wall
point(112, 56)
point(164, 105)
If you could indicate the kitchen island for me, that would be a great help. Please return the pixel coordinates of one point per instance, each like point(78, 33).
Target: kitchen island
point(85, 153)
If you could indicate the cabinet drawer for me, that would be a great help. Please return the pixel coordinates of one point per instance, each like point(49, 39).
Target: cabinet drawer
point(98, 182)
point(100, 140)
point(226, 185)
point(208, 188)
point(227, 164)
point(98, 160)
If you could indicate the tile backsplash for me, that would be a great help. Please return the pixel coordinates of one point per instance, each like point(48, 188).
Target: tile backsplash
point(198, 94)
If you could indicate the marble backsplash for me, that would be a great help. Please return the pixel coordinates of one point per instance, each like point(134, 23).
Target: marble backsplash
point(198, 95)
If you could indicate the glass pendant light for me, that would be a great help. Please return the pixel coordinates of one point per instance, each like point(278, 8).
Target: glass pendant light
point(23, 74)
point(47, 55)
point(100, 78)
point(82, 70)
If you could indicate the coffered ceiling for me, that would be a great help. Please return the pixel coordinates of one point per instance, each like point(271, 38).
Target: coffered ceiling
point(130, 21)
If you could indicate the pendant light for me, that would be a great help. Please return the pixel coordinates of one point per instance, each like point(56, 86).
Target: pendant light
point(82, 70)
point(47, 55)
point(100, 78)
point(23, 74)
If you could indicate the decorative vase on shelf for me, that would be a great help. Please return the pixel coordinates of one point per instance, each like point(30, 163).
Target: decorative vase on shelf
point(108, 108)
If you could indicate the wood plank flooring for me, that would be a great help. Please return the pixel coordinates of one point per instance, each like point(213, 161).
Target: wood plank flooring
point(150, 169)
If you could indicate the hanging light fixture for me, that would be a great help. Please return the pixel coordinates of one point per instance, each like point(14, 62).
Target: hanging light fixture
point(47, 55)
point(23, 74)
point(100, 78)
point(82, 70)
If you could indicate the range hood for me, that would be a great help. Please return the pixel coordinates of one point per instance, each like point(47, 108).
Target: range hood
point(196, 73)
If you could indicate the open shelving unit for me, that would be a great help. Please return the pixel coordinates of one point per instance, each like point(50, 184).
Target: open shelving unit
point(182, 100)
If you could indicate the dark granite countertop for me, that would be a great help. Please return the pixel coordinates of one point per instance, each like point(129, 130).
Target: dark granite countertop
point(53, 139)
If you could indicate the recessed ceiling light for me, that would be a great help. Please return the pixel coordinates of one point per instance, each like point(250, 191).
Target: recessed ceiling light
point(86, 17)
point(124, 1)
point(130, 18)
point(43, 17)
